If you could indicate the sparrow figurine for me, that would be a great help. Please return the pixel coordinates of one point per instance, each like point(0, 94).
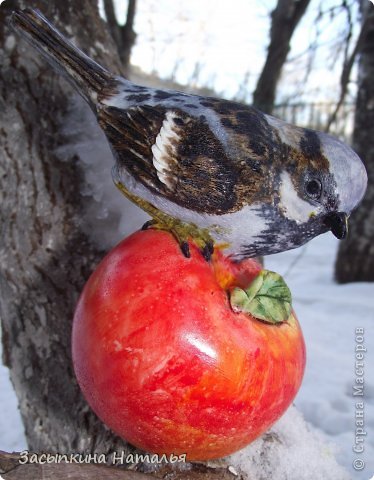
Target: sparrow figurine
point(207, 169)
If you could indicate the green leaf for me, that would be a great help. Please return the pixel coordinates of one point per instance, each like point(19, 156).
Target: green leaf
point(267, 298)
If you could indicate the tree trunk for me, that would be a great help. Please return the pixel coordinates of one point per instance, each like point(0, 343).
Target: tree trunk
point(123, 35)
point(45, 258)
point(284, 20)
point(355, 261)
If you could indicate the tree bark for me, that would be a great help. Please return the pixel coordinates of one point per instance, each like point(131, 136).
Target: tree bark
point(355, 260)
point(284, 20)
point(45, 258)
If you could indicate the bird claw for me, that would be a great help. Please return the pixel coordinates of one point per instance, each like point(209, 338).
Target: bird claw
point(181, 231)
point(148, 224)
point(185, 249)
point(207, 250)
point(181, 236)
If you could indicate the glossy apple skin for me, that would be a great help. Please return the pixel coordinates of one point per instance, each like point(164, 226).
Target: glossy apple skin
point(164, 361)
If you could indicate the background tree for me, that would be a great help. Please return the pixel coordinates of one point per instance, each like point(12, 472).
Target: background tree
point(45, 257)
point(124, 36)
point(355, 261)
point(349, 56)
point(284, 20)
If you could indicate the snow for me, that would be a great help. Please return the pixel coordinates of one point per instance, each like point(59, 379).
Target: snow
point(290, 451)
point(108, 216)
point(12, 438)
point(328, 313)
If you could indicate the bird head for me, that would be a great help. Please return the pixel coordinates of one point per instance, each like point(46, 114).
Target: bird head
point(349, 182)
point(320, 181)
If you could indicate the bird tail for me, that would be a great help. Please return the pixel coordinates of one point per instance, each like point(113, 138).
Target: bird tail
point(87, 76)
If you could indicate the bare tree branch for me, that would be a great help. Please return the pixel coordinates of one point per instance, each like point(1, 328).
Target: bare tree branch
point(111, 19)
point(128, 35)
point(347, 70)
point(124, 36)
point(285, 19)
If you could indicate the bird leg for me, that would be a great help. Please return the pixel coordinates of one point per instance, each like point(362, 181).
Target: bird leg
point(181, 231)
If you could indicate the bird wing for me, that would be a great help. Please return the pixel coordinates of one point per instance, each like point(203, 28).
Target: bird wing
point(173, 154)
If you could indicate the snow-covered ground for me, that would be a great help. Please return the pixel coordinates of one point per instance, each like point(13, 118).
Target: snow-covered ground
point(329, 315)
point(11, 429)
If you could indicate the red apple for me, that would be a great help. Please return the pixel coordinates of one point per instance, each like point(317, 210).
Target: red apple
point(166, 363)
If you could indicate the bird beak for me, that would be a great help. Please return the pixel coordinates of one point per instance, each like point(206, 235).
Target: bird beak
point(337, 222)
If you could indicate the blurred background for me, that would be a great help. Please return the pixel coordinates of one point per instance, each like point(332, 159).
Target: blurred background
point(221, 48)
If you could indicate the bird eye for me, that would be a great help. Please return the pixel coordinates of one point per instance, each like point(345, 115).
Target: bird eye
point(313, 188)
